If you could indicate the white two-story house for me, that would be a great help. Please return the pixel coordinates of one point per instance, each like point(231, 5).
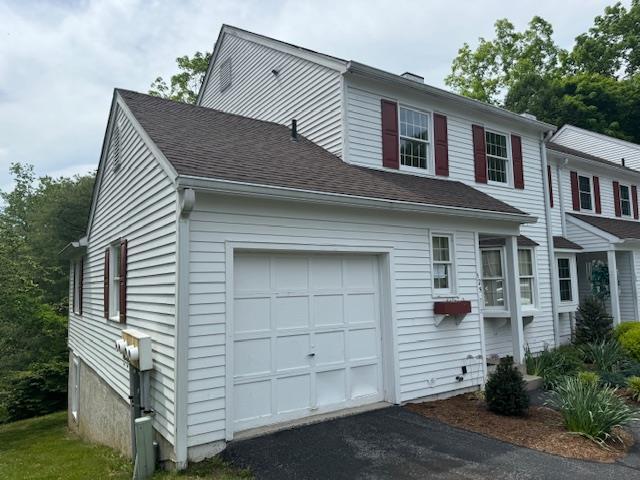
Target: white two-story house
point(315, 235)
point(594, 208)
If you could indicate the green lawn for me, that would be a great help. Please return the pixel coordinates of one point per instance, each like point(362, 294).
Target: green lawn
point(42, 448)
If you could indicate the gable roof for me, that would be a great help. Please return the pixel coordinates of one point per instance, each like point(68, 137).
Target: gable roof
point(623, 229)
point(563, 243)
point(558, 148)
point(205, 143)
point(358, 68)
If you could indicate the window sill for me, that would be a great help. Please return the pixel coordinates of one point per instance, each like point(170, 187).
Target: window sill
point(493, 183)
point(423, 172)
point(446, 295)
point(115, 319)
point(496, 313)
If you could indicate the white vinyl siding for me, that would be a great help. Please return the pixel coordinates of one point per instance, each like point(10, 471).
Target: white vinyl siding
point(364, 147)
point(137, 202)
point(300, 89)
point(429, 357)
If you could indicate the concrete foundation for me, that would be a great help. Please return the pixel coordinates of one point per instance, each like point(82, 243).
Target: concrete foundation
point(103, 415)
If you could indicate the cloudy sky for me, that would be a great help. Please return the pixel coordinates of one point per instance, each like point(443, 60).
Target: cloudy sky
point(61, 59)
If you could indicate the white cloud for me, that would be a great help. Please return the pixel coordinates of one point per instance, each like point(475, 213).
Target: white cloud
point(59, 62)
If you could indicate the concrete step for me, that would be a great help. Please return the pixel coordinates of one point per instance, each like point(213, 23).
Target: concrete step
point(533, 382)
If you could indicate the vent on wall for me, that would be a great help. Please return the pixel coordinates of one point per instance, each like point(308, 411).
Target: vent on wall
point(115, 147)
point(225, 75)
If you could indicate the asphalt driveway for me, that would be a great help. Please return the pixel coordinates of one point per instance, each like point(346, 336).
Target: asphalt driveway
point(394, 443)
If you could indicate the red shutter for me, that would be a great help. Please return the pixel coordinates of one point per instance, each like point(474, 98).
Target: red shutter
point(596, 194)
point(479, 153)
point(106, 283)
point(123, 281)
point(575, 194)
point(390, 142)
point(518, 169)
point(550, 185)
point(616, 198)
point(441, 142)
point(634, 201)
point(80, 285)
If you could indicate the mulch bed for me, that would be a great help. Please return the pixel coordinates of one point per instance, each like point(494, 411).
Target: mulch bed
point(541, 429)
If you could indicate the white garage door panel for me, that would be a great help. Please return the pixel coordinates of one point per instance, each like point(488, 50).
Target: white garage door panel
point(306, 335)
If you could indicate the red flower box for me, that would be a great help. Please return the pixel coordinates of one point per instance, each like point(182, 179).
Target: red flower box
point(458, 307)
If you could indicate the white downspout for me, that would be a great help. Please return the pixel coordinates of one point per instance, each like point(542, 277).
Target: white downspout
point(552, 256)
point(186, 202)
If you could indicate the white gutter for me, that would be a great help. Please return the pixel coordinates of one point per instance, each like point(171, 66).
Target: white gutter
point(603, 165)
point(555, 284)
point(371, 72)
point(285, 193)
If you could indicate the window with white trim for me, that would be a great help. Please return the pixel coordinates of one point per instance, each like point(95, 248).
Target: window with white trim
point(564, 277)
point(584, 189)
point(442, 253)
point(414, 138)
point(527, 277)
point(75, 392)
point(625, 200)
point(493, 284)
point(114, 281)
point(497, 157)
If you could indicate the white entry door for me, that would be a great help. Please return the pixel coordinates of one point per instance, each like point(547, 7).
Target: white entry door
point(306, 335)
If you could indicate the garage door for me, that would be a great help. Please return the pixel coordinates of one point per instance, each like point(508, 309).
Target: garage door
point(306, 336)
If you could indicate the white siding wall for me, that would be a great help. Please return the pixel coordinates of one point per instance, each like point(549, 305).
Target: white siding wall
point(364, 147)
point(585, 238)
point(625, 286)
point(138, 203)
point(600, 146)
point(429, 357)
point(303, 90)
point(564, 324)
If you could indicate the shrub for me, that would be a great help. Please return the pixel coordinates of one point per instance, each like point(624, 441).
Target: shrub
point(633, 384)
point(505, 390)
point(591, 410)
point(589, 377)
point(37, 391)
point(605, 355)
point(613, 379)
point(593, 323)
point(553, 364)
point(624, 327)
point(630, 341)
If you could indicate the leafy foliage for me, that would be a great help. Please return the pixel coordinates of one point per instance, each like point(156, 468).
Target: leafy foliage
point(605, 355)
point(589, 377)
point(593, 323)
point(633, 385)
point(630, 341)
point(39, 217)
point(553, 364)
point(624, 327)
point(185, 84)
point(595, 86)
point(505, 391)
point(591, 410)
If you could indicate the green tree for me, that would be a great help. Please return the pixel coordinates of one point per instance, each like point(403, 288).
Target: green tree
point(496, 65)
point(184, 85)
point(612, 46)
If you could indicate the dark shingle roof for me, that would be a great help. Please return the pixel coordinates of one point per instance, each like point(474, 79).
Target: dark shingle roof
point(208, 143)
point(624, 229)
point(556, 147)
point(565, 243)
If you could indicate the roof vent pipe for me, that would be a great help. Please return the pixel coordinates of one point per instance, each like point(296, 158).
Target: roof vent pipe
point(294, 130)
point(623, 164)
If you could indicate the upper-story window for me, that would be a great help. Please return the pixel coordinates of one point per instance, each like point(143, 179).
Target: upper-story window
point(625, 200)
point(497, 157)
point(414, 138)
point(584, 187)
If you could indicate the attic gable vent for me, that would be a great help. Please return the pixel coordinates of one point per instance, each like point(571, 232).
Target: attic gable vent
point(115, 147)
point(225, 75)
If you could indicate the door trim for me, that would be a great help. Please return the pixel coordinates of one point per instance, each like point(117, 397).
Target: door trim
point(388, 327)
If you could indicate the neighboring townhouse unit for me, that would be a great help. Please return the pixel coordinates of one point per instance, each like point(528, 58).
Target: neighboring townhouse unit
point(382, 247)
point(595, 221)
